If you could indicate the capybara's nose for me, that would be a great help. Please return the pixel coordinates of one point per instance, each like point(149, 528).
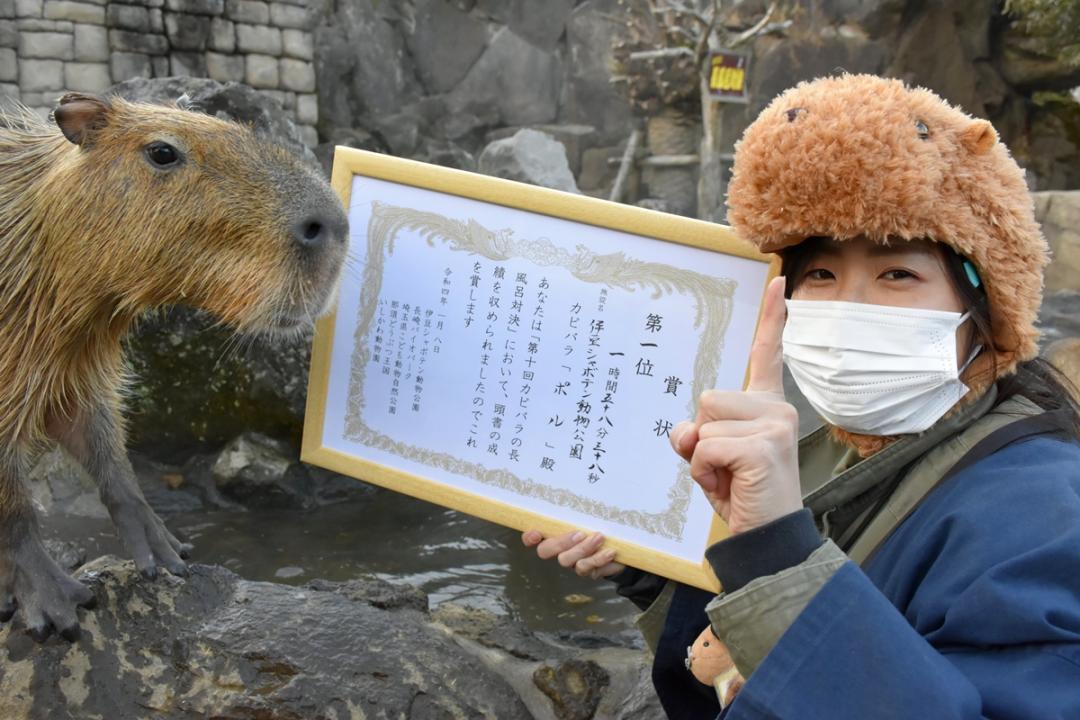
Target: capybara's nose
point(319, 230)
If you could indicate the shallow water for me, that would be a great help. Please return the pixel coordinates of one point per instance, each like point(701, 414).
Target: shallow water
point(449, 555)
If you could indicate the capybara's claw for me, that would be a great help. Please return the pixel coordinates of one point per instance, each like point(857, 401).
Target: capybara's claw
point(47, 596)
point(147, 539)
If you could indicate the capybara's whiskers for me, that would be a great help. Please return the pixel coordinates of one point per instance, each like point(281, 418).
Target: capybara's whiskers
point(117, 210)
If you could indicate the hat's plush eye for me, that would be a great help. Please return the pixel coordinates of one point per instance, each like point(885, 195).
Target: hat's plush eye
point(794, 113)
point(920, 127)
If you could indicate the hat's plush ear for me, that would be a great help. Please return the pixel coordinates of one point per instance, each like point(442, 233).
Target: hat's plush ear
point(80, 116)
point(979, 137)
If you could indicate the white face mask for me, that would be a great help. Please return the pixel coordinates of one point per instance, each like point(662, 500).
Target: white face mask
point(874, 369)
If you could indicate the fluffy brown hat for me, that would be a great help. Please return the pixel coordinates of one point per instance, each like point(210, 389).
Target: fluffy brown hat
point(862, 155)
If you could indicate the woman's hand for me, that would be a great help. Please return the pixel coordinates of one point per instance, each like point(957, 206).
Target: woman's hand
point(576, 550)
point(743, 446)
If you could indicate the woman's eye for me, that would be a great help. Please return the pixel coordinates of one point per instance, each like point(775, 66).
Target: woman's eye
point(819, 274)
point(897, 274)
point(162, 154)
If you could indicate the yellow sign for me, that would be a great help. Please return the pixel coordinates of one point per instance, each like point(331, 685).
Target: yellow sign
point(727, 76)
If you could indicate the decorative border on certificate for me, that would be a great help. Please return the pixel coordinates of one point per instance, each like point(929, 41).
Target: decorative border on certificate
point(713, 297)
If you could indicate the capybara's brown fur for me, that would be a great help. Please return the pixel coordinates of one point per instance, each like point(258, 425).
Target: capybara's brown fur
point(118, 208)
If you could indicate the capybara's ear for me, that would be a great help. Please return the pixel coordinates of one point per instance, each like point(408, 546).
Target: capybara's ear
point(79, 116)
point(979, 137)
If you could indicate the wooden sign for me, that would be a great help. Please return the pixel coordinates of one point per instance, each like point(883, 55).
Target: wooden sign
point(728, 76)
point(520, 354)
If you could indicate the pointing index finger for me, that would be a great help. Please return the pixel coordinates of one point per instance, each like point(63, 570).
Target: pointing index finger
point(766, 357)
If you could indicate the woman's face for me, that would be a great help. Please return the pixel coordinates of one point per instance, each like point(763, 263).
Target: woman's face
point(903, 274)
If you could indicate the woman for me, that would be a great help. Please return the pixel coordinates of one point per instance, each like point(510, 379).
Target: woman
point(919, 555)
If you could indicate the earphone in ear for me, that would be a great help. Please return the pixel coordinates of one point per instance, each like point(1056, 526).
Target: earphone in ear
point(972, 274)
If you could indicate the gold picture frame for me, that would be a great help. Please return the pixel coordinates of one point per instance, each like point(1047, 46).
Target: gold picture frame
point(711, 295)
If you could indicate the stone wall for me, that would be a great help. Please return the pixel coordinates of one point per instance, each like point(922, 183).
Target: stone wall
point(49, 47)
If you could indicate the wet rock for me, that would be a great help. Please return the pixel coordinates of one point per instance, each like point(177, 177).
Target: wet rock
point(61, 487)
point(67, 554)
point(492, 631)
point(214, 645)
point(574, 674)
point(376, 592)
point(529, 156)
point(574, 686)
point(259, 471)
point(229, 101)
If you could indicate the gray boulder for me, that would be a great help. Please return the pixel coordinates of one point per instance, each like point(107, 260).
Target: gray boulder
point(445, 42)
point(587, 95)
point(214, 645)
point(362, 67)
point(228, 101)
point(529, 156)
point(512, 83)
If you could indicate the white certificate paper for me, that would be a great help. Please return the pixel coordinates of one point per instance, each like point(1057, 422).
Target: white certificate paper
point(532, 360)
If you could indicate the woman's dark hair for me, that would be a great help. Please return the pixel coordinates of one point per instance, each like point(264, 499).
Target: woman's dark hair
point(1036, 379)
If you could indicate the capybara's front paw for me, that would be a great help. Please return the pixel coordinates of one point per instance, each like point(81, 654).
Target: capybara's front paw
point(147, 539)
point(47, 595)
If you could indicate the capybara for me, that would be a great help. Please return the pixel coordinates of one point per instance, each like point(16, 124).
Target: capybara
point(118, 208)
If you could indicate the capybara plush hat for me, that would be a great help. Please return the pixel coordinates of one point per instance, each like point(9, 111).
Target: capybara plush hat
point(862, 155)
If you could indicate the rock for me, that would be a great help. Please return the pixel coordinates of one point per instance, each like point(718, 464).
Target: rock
point(780, 65)
point(68, 555)
point(258, 471)
point(230, 101)
point(597, 171)
point(362, 67)
point(91, 43)
point(518, 80)
point(928, 53)
point(1026, 63)
point(1059, 316)
point(573, 678)
point(377, 593)
point(192, 394)
point(492, 631)
point(574, 686)
point(529, 156)
point(214, 645)
point(540, 22)
point(587, 95)
point(1049, 146)
point(61, 487)
point(1064, 354)
point(1059, 215)
point(445, 43)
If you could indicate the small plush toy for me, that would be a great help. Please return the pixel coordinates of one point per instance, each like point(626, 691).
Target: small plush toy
point(709, 661)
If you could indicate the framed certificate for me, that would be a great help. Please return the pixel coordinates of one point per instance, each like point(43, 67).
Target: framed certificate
point(520, 354)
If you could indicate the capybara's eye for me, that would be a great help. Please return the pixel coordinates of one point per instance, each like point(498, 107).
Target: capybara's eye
point(162, 154)
point(920, 127)
point(794, 113)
